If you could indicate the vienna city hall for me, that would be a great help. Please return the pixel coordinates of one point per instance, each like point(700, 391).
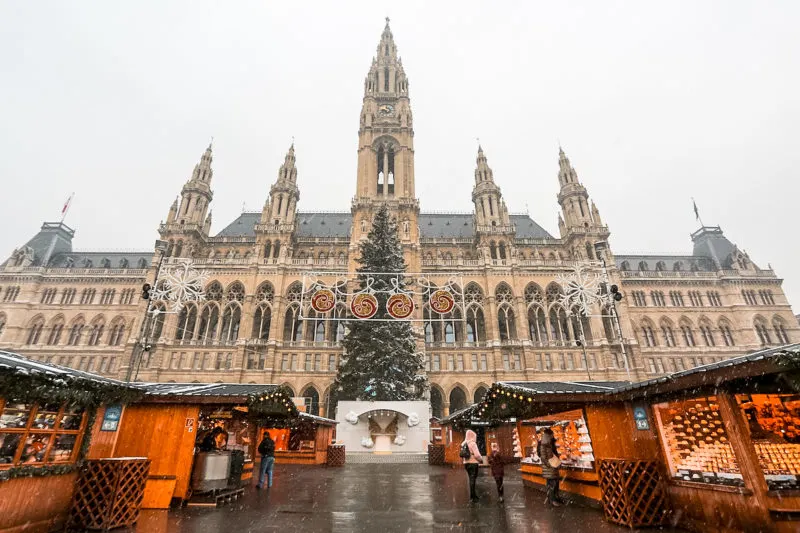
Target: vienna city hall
point(255, 325)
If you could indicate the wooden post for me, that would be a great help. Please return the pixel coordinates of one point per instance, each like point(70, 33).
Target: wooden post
point(739, 435)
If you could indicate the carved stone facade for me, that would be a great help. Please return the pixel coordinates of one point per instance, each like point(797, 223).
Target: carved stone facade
point(85, 310)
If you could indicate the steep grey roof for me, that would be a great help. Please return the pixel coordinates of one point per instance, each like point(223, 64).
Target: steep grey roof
point(324, 224)
point(332, 224)
point(687, 262)
point(96, 259)
point(243, 226)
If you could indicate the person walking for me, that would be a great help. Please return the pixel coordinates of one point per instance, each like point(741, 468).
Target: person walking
point(496, 463)
point(471, 457)
point(550, 462)
point(267, 450)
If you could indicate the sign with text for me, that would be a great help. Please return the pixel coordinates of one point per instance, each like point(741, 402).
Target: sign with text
point(111, 418)
point(640, 418)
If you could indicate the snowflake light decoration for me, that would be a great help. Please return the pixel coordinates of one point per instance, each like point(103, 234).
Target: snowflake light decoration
point(581, 288)
point(180, 284)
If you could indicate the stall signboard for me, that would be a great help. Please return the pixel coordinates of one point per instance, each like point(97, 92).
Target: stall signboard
point(111, 418)
point(640, 417)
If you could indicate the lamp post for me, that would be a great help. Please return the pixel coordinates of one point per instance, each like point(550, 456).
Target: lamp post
point(143, 343)
point(613, 297)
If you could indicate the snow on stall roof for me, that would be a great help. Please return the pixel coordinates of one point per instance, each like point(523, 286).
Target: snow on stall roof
point(21, 365)
point(206, 389)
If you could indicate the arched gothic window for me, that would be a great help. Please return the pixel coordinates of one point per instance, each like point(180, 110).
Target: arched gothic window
point(261, 322)
point(707, 333)
point(96, 332)
point(292, 325)
point(231, 320)
point(668, 333)
point(267, 249)
point(762, 331)
point(35, 330)
point(311, 397)
point(458, 399)
point(727, 334)
point(235, 292)
point(214, 291)
point(649, 335)
point(56, 328)
point(159, 314)
point(688, 334)
point(186, 323)
point(75, 332)
point(480, 392)
point(209, 320)
point(779, 327)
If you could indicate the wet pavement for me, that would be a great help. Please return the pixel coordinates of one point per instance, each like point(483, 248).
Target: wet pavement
point(380, 498)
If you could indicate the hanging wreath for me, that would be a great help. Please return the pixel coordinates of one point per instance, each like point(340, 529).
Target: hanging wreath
point(442, 301)
point(364, 306)
point(323, 300)
point(400, 306)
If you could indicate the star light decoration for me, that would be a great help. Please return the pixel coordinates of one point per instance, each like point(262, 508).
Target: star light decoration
point(179, 284)
point(581, 288)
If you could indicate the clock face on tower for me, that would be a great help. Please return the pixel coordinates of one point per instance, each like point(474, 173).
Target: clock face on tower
point(386, 110)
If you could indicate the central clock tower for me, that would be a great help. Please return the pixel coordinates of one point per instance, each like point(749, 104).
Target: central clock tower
point(386, 147)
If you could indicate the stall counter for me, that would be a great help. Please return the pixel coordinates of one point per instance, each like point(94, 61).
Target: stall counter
point(580, 481)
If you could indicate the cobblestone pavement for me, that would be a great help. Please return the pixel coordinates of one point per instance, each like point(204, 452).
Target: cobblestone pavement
point(380, 498)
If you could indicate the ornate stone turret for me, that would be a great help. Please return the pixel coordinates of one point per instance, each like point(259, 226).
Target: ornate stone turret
point(494, 231)
point(491, 213)
point(283, 195)
point(187, 226)
point(581, 225)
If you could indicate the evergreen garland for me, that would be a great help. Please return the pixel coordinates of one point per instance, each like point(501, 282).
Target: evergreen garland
point(380, 359)
point(74, 391)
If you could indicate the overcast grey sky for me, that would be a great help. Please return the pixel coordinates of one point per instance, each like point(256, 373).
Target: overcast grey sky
point(653, 102)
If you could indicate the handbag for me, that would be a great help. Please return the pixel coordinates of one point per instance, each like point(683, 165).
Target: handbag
point(554, 461)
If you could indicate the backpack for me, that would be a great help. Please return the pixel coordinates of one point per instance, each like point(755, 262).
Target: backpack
point(267, 447)
point(465, 453)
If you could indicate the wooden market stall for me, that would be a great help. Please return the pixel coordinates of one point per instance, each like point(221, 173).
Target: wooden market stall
point(52, 419)
point(303, 440)
point(454, 427)
point(190, 429)
point(714, 448)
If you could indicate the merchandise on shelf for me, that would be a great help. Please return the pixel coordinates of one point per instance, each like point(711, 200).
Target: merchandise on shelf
point(774, 422)
point(573, 442)
point(697, 442)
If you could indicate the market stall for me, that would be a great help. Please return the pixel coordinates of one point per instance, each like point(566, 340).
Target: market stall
point(501, 432)
point(301, 440)
point(720, 444)
point(201, 438)
point(51, 419)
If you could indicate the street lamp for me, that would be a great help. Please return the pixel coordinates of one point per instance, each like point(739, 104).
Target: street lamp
point(143, 343)
point(613, 295)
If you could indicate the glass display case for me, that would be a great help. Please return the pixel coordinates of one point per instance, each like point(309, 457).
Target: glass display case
point(43, 433)
point(774, 423)
point(696, 442)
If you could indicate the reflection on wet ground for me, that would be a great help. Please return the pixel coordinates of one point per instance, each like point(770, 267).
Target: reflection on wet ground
point(380, 498)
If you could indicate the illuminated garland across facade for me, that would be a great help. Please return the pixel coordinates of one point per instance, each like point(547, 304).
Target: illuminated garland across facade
point(328, 293)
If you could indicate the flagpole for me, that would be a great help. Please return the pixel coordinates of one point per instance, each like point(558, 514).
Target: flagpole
point(66, 207)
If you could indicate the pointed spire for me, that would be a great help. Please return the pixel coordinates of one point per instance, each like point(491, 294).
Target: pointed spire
point(566, 174)
point(482, 170)
point(288, 169)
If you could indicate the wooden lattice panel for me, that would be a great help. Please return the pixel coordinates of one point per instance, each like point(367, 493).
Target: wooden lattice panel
point(109, 493)
point(436, 454)
point(633, 492)
point(336, 455)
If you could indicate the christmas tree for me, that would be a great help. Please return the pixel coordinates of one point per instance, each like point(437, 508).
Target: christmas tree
point(380, 361)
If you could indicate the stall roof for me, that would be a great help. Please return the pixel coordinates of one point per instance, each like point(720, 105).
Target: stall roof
point(751, 365)
point(22, 366)
point(317, 419)
point(545, 396)
point(232, 391)
point(565, 387)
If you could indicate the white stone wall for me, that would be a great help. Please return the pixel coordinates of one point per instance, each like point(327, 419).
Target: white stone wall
point(417, 437)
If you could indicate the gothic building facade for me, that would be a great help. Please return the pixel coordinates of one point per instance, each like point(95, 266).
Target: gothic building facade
point(85, 310)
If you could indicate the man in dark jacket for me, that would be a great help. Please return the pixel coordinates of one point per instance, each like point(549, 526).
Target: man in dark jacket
point(267, 450)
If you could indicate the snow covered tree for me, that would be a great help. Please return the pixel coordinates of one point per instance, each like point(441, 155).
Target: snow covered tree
point(380, 362)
